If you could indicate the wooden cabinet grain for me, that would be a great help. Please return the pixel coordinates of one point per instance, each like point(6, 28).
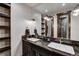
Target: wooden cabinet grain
point(30, 49)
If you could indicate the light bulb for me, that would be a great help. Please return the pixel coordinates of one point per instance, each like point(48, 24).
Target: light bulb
point(48, 19)
point(76, 10)
point(45, 17)
point(75, 14)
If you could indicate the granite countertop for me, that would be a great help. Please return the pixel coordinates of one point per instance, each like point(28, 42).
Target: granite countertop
point(44, 44)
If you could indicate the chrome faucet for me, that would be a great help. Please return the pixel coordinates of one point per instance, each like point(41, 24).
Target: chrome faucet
point(60, 40)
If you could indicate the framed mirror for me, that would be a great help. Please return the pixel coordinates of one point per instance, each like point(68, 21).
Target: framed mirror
point(63, 25)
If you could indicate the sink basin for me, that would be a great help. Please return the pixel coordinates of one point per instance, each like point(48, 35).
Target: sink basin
point(33, 39)
point(62, 47)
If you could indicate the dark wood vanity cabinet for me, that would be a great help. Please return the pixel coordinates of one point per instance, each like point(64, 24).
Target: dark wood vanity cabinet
point(27, 50)
point(40, 51)
point(30, 49)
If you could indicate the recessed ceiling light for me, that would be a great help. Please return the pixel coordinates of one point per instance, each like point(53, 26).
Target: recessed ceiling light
point(63, 4)
point(46, 10)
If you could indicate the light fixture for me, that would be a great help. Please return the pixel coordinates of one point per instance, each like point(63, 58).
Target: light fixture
point(75, 14)
point(63, 4)
point(76, 11)
point(47, 18)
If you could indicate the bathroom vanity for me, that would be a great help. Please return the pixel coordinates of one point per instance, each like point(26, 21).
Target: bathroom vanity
point(38, 47)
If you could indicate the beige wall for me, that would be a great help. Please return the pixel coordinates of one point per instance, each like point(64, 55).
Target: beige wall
point(75, 28)
point(20, 14)
point(55, 26)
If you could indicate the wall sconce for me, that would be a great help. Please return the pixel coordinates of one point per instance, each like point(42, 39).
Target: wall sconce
point(76, 11)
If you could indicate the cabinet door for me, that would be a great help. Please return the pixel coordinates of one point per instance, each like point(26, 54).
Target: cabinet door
point(27, 50)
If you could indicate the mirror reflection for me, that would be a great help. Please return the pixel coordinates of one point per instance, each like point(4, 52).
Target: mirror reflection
point(63, 23)
point(65, 26)
point(47, 25)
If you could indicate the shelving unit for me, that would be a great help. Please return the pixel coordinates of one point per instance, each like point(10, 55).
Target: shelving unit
point(3, 15)
point(42, 26)
point(4, 27)
point(4, 48)
point(5, 34)
point(4, 38)
point(47, 27)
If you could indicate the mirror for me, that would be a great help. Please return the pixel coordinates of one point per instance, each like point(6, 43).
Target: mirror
point(67, 26)
point(63, 23)
point(50, 24)
point(47, 23)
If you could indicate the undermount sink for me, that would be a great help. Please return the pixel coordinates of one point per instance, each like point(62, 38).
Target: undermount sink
point(62, 47)
point(33, 39)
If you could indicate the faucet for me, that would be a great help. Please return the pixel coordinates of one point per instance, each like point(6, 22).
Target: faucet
point(60, 40)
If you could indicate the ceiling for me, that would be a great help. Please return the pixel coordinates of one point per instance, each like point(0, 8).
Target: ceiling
point(51, 8)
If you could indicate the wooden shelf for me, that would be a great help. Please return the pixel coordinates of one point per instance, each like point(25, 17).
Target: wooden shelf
point(4, 38)
point(42, 28)
point(3, 15)
point(4, 27)
point(42, 23)
point(42, 33)
point(4, 48)
point(5, 5)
